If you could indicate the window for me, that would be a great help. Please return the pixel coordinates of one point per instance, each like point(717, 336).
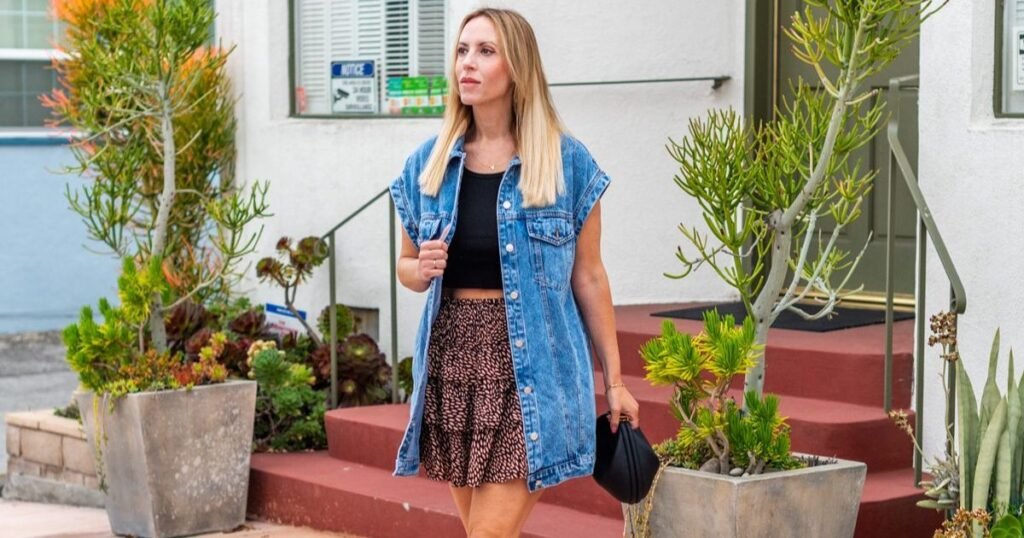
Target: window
point(27, 38)
point(369, 57)
point(1009, 79)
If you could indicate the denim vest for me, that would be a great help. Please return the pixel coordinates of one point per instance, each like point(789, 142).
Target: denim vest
point(551, 349)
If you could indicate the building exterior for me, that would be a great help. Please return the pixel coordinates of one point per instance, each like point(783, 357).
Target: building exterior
point(47, 274)
point(322, 168)
point(972, 172)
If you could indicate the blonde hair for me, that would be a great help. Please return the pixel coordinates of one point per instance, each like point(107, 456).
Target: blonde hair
point(535, 124)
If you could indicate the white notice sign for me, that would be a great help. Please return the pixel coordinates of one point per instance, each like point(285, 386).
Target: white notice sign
point(354, 87)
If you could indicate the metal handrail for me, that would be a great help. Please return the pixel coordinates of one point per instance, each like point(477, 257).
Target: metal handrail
point(715, 80)
point(926, 229)
point(331, 242)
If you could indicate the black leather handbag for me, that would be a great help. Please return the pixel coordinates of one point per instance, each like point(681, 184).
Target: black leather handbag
point(625, 462)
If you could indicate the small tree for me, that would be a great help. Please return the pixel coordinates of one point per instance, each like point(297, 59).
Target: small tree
point(154, 106)
point(763, 188)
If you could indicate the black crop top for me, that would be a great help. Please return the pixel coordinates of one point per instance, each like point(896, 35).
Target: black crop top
point(473, 257)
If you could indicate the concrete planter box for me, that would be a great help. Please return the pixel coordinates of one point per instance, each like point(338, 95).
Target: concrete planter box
point(816, 501)
point(175, 462)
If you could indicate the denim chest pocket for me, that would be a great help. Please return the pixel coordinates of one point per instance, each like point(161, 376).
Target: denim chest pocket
point(553, 245)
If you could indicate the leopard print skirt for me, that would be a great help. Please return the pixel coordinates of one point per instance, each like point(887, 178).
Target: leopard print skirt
point(472, 422)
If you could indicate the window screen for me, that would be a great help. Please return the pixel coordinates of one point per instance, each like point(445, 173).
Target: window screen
point(369, 57)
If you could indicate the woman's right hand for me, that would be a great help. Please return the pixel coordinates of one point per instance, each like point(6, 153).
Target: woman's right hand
point(433, 259)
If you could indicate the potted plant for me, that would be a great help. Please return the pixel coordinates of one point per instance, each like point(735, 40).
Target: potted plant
point(152, 109)
point(729, 471)
point(979, 479)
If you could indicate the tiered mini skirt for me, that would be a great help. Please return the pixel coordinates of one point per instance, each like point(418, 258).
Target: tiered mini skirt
point(472, 421)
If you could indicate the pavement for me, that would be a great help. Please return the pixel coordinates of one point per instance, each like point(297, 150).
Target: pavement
point(33, 375)
point(39, 520)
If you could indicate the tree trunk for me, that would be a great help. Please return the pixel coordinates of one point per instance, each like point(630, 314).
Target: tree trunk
point(765, 301)
point(157, 327)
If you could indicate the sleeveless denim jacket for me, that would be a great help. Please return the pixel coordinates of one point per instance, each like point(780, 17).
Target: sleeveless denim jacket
point(551, 349)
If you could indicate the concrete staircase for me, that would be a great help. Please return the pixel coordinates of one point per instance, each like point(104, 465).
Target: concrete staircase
point(831, 387)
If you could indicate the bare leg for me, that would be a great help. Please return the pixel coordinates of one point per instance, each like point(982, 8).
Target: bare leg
point(463, 498)
point(500, 510)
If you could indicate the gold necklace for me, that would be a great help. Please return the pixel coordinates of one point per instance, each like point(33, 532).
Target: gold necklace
point(491, 166)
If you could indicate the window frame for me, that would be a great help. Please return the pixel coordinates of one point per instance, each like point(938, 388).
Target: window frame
point(997, 86)
point(292, 59)
point(37, 133)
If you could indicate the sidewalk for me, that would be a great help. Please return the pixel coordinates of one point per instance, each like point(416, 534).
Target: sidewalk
point(39, 520)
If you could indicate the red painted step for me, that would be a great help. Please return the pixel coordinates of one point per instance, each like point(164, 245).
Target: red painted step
point(888, 508)
point(313, 489)
point(846, 365)
point(830, 384)
point(848, 431)
point(371, 435)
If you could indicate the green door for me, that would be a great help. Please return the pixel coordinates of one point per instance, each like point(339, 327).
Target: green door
point(776, 67)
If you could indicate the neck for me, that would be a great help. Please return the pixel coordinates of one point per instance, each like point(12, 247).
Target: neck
point(492, 122)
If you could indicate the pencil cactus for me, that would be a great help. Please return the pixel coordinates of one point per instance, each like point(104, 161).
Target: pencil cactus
point(768, 191)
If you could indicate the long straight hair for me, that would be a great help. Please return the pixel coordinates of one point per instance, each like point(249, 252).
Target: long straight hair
point(535, 124)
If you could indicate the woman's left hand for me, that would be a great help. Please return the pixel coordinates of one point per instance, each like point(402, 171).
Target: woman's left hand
point(622, 404)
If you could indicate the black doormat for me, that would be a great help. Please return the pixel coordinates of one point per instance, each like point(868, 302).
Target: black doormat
point(841, 317)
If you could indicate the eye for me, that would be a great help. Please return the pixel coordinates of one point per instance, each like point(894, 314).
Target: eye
point(460, 51)
point(487, 52)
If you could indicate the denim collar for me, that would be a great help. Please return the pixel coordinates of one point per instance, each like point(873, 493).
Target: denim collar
point(458, 150)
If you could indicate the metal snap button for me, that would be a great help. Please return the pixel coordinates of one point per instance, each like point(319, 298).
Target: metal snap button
point(534, 436)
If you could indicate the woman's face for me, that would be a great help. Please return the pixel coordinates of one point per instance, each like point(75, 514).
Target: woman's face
point(479, 65)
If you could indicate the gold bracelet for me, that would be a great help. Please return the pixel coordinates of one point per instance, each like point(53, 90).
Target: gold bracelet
point(613, 385)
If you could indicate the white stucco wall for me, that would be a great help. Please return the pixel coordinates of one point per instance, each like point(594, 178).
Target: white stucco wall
point(321, 170)
point(972, 173)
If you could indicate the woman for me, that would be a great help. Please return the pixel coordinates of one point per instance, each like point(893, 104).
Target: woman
point(501, 220)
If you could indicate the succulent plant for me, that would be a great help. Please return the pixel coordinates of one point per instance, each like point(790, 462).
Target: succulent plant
point(405, 377)
point(234, 356)
point(943, 489)
point(701, 368)
point(363, 372)
point(197, 341)
point(251, 323)
point(345, 325)
point(184, 320)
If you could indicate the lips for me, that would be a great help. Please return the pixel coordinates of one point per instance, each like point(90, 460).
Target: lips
point(468, 81)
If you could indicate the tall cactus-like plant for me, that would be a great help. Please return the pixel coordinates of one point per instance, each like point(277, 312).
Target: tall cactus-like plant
point(152, 101)
point(764, 188)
